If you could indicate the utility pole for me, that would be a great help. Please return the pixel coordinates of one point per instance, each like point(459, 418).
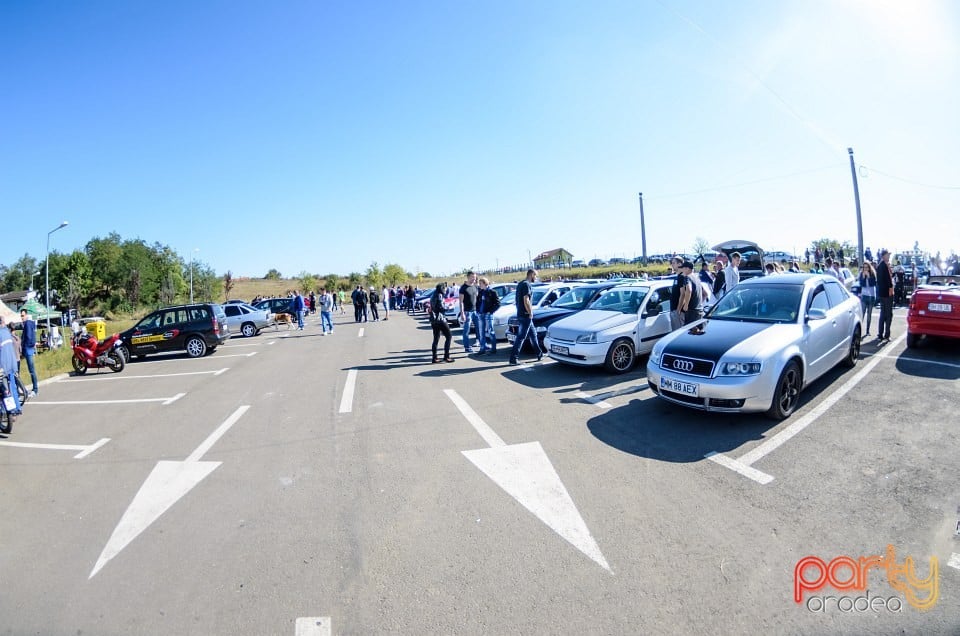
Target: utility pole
point(643, 231)
point(856, 199)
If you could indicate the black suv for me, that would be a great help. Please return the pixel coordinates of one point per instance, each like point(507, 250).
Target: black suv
point(577, 299)
point(197, 329)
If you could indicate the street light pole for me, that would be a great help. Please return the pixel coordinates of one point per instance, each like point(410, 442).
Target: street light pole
point(856, 200)
point(46, 265)
point(643, 231)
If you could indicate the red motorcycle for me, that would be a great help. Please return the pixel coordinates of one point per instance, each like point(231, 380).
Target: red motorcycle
point(88, 353)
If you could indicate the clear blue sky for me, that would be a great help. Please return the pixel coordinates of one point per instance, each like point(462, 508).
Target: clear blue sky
point(321, 136)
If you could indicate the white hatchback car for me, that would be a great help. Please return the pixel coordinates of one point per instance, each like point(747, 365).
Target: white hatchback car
point(623, 323)
point(542, 295)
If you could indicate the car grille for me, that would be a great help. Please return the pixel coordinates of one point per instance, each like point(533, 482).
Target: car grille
point(687, 366)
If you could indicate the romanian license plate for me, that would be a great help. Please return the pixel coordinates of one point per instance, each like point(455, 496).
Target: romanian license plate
point(511, 337)
point(939, 307)
point(563, 351)
point(686, 388)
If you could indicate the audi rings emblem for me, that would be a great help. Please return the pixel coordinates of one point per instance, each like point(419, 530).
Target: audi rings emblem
point(683, 365)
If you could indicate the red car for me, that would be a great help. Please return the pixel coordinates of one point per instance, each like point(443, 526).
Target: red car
point(934, 310)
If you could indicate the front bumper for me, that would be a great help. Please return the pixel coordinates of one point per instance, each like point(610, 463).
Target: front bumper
point(580, 354)
point(735, 394)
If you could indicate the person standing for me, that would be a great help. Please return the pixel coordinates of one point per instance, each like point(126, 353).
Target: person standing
point(676, 293)
point(312, 302)
point(731, 274)
point(28, 343)
point(487, 303)
point(868, 293)
point(296, 305)
point(8, 363)
point(468, 310)
point(411, 297)
point(374, 301)
point(525, 318)
point(326, 306)
point(885, 295)
point(342, 295)
point(385, 297)
point(438, 322)
point(690, 303)
point(718, 278)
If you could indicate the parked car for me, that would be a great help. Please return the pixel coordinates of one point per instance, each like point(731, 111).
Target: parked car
point(597, 262)
point(247, 320)
point(759, 346)
point(751, 257)
point(197, 329)
point(451, 309)
point(236, 301)
point(279, 305)
point(621, 324)
point(578, 263)
point(617, 261)
point(542, 295)
point(934, 310)
point(577, 299)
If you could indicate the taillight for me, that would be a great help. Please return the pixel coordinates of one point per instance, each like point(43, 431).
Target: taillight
point(216, 325)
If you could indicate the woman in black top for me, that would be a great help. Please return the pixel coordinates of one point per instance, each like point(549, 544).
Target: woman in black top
point(439, 323)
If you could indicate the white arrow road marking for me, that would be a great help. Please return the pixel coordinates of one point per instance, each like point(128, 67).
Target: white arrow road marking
point(84, 449)
point(313, 626)
point(596, 401)
point(163, 400)
point(135, 377)
point(346, 402)
point(360, 335)
point(743, 464)
point(166, 484)
point(524, 471)
point(954, 561)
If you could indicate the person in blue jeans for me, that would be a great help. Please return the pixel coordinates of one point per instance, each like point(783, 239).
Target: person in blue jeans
point(9, 363)
point(326, 306)
point(525, 329)
point(297, 306)
point(487, 303)
point(468, 310)
point(28, 342)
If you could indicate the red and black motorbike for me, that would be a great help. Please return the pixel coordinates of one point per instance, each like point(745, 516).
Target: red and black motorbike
point(88, 353)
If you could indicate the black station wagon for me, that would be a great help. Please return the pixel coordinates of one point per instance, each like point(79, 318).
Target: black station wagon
point(197, 329)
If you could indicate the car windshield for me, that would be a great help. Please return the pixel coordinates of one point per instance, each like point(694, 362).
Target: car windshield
point(509, 299)
point(626, 300)
point(576, 298)
point(760, 303)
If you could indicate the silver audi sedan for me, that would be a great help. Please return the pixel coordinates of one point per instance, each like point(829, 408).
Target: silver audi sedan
point(759, 346)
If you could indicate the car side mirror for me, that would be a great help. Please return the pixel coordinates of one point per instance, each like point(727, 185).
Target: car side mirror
point(816, 314)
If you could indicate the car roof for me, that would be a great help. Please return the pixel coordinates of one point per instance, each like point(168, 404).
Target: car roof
point(786, 279)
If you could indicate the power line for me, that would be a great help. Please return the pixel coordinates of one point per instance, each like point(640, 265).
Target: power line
point(744, 183)
point(911, 181)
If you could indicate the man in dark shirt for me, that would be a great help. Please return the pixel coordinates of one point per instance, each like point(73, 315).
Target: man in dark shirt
point(690, 303)
point(885, 296)
point(675, 292)
point(28, 342)
point(525, 318)
point(468, 310)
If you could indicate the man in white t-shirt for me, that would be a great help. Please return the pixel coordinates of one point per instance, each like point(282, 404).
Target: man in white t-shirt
point(731, 273)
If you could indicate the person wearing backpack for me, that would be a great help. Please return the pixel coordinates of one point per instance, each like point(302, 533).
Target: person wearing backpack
point(487, 303)
point(439, 323)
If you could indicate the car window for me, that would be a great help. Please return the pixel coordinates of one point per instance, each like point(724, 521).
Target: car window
point(150, 322)
point(626, 300)
point(819, 300)
point(836, 293)
point(244, 309)
point(509, 299)
point(197, 313)
point(537, 296)
point(576, 298)
point(759, 303)
point(231, 310)
point(169, 317)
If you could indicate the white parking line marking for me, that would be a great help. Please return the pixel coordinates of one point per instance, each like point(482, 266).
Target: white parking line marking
point(221, 371)
point(135, 377)
point(313, 626)
point(740, 467)
point(271, 342)
point(596, 401)
point(252, 344)
point(487, 433)
point(346, 402)
point(238, 355)
point(954, 561)
point(163, 400)
point(893, 356)
point(85, 449)
point(783, 436)
point(360, 335)
point(215, 436)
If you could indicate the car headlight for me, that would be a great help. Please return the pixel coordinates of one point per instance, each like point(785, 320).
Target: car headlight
point(587, 338)
point(739, 368)
point(541, 330)
point(655, 355)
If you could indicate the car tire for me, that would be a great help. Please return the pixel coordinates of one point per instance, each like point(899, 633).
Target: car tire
point(125, 352)
point(78, 366)
point(248, 329)
point(196, 347)
point(621, 356)
point(913, 340)
point(854, 353)
point(787, 393)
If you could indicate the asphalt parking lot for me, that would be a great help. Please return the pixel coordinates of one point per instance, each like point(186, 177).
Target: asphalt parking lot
point(297, 484)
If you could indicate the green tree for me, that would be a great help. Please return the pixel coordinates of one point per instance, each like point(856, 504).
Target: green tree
point(331, 282)
point(17, 277)
point(307, 282)
point(700, 245)
point(273, 275)
point(374, 275)
point(355, 278)
point(106, 258)
point(228, 284)
point(394, 274)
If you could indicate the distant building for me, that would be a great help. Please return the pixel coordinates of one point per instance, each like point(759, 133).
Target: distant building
point(553, 259)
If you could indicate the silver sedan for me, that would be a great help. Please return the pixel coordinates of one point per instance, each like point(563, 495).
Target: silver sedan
point(246, 319)
point(759, 346)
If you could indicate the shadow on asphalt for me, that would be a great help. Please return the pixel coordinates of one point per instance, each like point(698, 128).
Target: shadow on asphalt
point(561, 376)
point(922, 361)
